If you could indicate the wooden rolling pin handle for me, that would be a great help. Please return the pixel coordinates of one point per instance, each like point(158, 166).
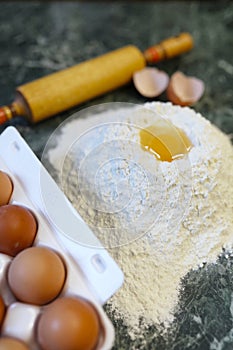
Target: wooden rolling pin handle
point(169, 48)
point(6, 113)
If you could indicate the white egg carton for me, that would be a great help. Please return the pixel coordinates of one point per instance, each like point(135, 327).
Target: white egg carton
point(91, 272)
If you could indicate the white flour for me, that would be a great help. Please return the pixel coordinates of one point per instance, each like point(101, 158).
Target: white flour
point(185, 206)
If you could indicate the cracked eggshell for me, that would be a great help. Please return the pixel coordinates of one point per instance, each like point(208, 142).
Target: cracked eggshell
point(183, 90)
point(150, 82)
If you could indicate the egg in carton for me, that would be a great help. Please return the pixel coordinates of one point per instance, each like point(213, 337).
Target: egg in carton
point(86, 273)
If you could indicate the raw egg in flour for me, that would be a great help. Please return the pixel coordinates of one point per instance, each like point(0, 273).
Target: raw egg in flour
point(165, 141)
point(18, 228)
point(12, 344)
point(68, 324)
point(6, 188)
point(36, 275)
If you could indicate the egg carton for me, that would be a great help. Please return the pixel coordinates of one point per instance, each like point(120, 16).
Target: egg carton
point(91, 272)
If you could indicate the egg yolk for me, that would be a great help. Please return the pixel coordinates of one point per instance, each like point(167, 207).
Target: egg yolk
point(165, 141)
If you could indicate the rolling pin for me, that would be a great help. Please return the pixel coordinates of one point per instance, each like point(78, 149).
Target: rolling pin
point(57, 92)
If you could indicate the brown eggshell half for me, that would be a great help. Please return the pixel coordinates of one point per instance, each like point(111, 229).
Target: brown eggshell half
point(150, 82)
point(183, 90)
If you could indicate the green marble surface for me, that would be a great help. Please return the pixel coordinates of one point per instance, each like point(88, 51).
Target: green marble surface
point(40, 38)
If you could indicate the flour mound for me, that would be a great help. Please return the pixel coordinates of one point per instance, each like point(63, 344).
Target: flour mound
point(155, 263)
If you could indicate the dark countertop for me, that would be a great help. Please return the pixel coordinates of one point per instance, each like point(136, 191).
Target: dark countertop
point(40, 38)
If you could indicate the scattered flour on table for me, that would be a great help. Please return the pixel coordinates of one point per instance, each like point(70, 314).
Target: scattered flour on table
point(154, 264)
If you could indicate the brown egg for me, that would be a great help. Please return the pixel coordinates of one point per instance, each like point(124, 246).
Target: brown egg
point(18, 228)
point(150, 82)
point(12, 344)
point(6, 188)
point(2, 310)
point(183, 90)
point(36, 275)
point(68, 324)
